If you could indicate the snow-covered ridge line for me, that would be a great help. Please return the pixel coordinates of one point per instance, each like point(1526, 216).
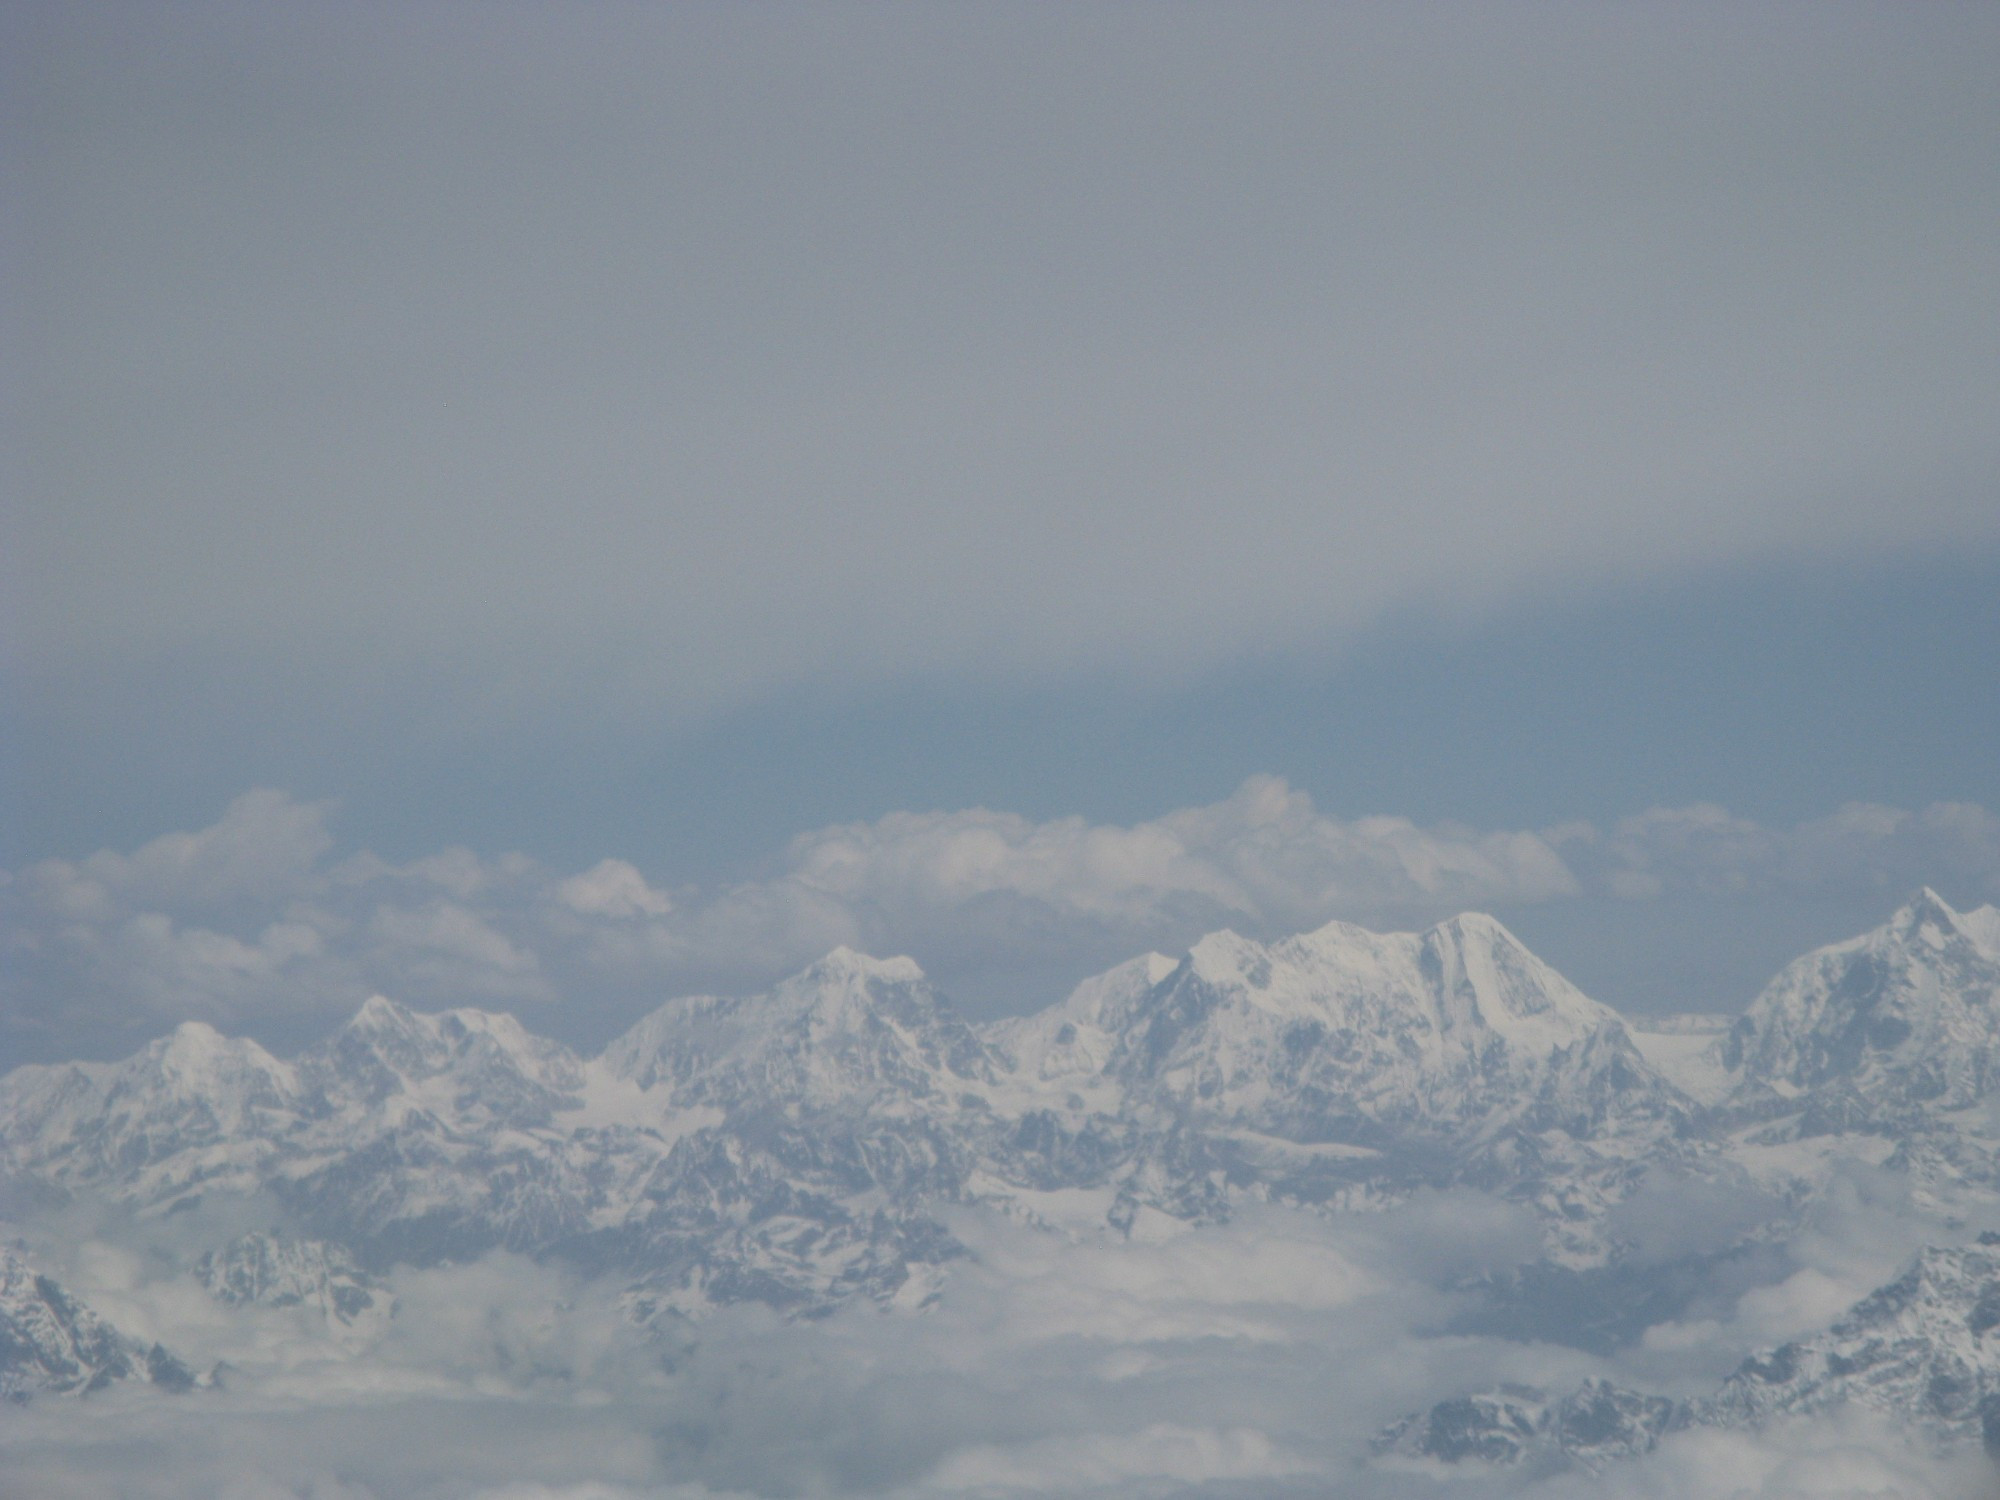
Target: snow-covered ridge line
point(1922, 1349)
point(1559, 1015)
point(797, 1146)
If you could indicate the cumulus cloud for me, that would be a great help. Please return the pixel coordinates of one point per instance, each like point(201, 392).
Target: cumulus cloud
point(613, 888)
point(1266, 853)
point(264, 844)
point(254, 921)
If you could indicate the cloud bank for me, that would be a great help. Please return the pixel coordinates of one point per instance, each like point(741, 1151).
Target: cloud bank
point(1250, 1360)
point(257, 922)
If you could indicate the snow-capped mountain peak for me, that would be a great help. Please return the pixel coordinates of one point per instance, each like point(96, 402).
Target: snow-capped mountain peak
point(271, 1271)
point(1342, 1027)
point(192, 1088)
point(848, 1028)
point(1072, 1042)
point(454, 1063)
point(850, 964)
point(1927, 917)
point(195, 1059)
point(1906, 1015)
point(1487, 979)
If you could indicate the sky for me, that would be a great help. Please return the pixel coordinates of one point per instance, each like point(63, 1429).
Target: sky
point(1345, 462)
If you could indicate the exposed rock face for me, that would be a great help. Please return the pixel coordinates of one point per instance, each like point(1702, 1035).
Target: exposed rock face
point(267, 1271)
point(1904, 1020)
point(51, 1342)
point(1923, 1350)
point(1595, 1425)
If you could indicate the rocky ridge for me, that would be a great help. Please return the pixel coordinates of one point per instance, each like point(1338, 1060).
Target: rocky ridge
point(795, 1147)
point(1591, 1427)
point(802, 1147)
point(1923, 1350)
point(50, 1341)
point(268, 1270)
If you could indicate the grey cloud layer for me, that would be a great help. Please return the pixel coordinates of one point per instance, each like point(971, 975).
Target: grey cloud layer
point(1250, 1360)
point(254, 921)
point(693, 351)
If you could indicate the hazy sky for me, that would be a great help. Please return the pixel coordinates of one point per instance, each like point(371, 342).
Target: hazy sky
point(657, 432)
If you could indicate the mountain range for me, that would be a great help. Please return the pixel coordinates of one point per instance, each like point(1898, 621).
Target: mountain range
point(807, 1146)
point(1922, 1350)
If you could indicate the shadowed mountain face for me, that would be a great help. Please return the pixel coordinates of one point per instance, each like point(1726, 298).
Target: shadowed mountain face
point(1923, 1351)
point(849, 1032)
point(1902, 1018)
point(807, 1146)
point(263, 1269)
point(51, 1342)
point(1591, 1426)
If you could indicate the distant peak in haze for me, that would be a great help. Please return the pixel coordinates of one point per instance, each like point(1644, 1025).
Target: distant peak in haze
point(846, 962)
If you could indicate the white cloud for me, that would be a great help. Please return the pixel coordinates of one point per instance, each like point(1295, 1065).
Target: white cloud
point(1180, 1455)
point(252, 920)
point(1848, 1457)
point(613, 888)
point(264, 845)
point(452, 933)
point(1265, 858)
point(1256, 1358)
point(1251, 1282)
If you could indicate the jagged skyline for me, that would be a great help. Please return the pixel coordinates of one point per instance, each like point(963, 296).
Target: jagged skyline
point(264, 921)
point(844, 1139)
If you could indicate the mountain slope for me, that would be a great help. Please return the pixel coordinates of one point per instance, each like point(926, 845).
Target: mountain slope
point(1904, 1017)
point(51, 1342)
point(270, 1271)
point(1591, 1427)
point(802, 1145)
point(1923, 1351)
point(193, 1109)
point(1348, 1034)
point(851, 1031)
